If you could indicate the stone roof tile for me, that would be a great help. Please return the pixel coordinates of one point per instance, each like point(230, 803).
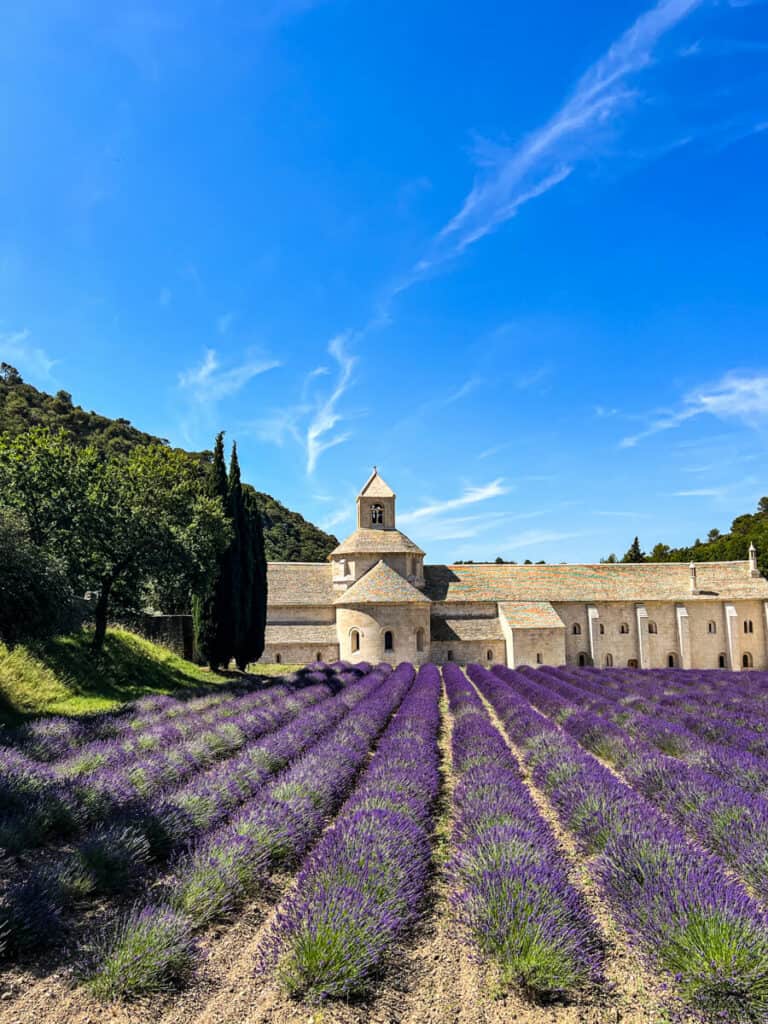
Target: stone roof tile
point(301, 634)
point(376, 487)
point(381, 585)
point(530, 615)
point(465, 629)
point(299, 583)
point(376, 542)
point(645, 581)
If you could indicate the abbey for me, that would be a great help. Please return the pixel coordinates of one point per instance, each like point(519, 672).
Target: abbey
point(378, 601)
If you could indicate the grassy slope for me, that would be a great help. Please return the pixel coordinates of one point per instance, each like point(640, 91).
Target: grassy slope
point(64, 677)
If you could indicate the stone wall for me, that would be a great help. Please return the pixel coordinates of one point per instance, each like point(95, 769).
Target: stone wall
point(372, 624)
point(174, 632)
point(298, 654)
point(465, 651)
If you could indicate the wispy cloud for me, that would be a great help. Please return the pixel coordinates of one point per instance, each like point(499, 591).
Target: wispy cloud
point(210, 381)
point(737, 396)
point(512, 177)
point(313, 421)
point(321, 433)
point(701, 492)
point(471, 496)
point(17, 349)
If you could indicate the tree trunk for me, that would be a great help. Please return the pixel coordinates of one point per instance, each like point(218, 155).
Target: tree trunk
point(100, 615)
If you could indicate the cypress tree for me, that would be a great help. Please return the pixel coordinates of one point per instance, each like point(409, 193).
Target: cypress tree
point(210, 609)
point(238, 565)
point(635, 552)
point(257, 604)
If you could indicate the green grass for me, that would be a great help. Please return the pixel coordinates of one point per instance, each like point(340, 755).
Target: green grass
point(65, 677)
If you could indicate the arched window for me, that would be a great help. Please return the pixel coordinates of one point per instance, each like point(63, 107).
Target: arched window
point(671, 661)
point(576, 629)
point(602, 629)
point(609, 661)
point(624, 627)
point(389, 641)
point(278, 659)
point(419, 639)
point(489, 655)
point(749, 626)
point(746, 660)
point(377, 515)
point(318, 656)
point(539, 659)
point(632, 663)
point(652, 628)
point(721, 661)
point(354, 641)
point(582, 660)
point(450, 655)
point(711, 627)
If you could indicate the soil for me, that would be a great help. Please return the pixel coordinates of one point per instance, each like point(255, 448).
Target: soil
point(431, 979)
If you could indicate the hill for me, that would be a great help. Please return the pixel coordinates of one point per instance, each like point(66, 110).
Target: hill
point(288, 536)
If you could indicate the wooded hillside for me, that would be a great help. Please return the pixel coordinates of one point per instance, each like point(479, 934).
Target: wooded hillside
point(288, 536)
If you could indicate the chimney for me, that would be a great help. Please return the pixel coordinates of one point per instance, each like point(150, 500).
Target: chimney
point(753, 570)
point(692, 570)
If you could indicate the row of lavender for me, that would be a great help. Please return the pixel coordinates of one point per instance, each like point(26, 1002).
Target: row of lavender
point(509, 880)
point(726, 818)
point(679, 902)
point(120, 851)
point(174, 741)
point(155, 945)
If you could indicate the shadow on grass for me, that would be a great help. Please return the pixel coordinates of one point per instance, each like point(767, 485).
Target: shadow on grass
point(65, 676)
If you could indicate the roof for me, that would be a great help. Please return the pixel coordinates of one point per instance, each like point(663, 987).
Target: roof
point(376, 487)
point(530, 615)
point(376, 542)
point(299, 583)
point(382, 585)
point(465, 629)
point(644, 581)
point(301, 633)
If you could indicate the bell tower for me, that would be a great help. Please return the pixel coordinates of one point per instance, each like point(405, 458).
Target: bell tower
point(376, 504)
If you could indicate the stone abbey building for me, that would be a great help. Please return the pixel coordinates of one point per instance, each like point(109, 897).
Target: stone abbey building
point(378, 601)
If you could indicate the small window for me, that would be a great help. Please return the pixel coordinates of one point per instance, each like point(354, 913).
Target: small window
point(539, 659)
point(721, 661)
point(450, 655)
point(602, 629)
point(318, 656)
point(746, 660)
point(278, 659)
point(377, 515)
point(624, 627)
point(389, 642)
point(583, 660)
point(489, 655)
point(419, 639)
point(576, 629)
point(652, 628)
point(632, 663)
point(711, 627)
point(354, 641)
point(749, 626)
point(609, 661)
point(671, 661)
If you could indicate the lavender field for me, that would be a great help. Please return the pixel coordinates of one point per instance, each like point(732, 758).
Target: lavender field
point(360, 843)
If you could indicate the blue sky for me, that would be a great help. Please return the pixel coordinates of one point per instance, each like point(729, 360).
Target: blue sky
point(516, 255)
